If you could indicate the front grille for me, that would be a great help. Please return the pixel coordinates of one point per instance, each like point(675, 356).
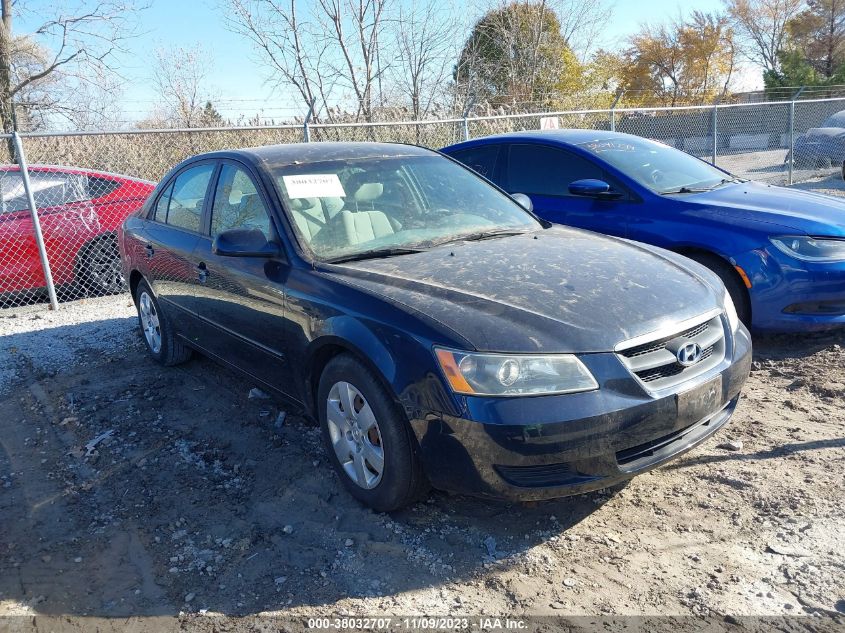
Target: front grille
point(540, 475)
point(647, 348)
point(655, 365)
point(647, 449)
point(669, 370)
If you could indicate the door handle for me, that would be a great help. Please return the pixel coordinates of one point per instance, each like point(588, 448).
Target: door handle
point(202, 272)
point(150, 250)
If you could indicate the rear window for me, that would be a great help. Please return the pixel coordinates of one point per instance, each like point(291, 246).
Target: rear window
point(99, 186)
point(49, 189)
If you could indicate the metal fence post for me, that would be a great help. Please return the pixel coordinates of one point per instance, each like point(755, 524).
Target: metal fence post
point(792, 133)
point(613, 110)
point(715, 132)
point(36, 223)
point(306, 131)
point(465, 116)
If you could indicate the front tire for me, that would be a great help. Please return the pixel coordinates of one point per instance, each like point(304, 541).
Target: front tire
point(157, 331)
point(367, 437)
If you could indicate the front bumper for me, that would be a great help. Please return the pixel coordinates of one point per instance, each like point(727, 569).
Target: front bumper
point(789, 295)
point(554, 446)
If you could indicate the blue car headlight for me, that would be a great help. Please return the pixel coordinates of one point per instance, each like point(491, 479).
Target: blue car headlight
point(483, 374)
point(811, 249)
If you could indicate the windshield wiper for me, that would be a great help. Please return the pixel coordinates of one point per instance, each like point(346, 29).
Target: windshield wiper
point(685, 190)
point(480, 235)
point(375, 253)
point(723, 181)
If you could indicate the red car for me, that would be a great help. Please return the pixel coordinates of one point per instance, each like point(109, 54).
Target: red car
point(80, 211)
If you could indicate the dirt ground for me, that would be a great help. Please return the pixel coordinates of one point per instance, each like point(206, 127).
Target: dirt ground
point(127, 489)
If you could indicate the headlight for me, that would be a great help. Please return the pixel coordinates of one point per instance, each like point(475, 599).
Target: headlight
point(811, 249)
point(730, 311)
point(514, 374)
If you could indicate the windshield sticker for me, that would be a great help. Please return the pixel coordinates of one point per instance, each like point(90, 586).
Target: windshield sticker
point(314, 186)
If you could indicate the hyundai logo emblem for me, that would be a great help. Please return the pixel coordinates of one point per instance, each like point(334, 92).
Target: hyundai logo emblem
point(689, 354)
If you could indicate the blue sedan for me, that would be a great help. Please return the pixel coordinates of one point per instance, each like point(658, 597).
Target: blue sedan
point(780, 252)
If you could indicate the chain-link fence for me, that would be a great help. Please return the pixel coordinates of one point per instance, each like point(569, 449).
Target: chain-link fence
point(83, 185)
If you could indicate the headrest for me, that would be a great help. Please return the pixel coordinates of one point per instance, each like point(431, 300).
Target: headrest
point(301, 204)
point(369, 191)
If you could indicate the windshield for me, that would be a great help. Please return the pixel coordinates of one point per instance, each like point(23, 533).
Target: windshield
point(347, 207)
point(835, 120)
point(658, 167)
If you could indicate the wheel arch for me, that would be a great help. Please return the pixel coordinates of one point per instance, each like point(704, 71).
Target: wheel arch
point(723, 261)
point(135, 278)
point(320, 355)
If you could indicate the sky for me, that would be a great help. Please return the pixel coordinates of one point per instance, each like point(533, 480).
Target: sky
point(238, 81)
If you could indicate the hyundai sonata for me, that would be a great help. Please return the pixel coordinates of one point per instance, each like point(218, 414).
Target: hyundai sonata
point(439, 332)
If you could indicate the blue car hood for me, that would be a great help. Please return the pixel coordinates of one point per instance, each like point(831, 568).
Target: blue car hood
point(556, 290)
point(786, 210)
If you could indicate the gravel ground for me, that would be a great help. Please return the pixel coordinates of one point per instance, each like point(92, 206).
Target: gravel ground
point(131, 490)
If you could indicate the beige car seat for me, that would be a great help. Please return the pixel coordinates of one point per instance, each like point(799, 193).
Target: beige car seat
point(365, 223)
point(308, 215)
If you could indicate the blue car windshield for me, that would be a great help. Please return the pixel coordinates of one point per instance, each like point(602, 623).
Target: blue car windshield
point(661, 168)
point(344, 208)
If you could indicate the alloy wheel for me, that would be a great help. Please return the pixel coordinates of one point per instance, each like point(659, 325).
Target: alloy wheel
point(150, 322)
point(103, 268)
point(355, 435)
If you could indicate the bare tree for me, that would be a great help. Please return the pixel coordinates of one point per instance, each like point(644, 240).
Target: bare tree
point(329, 51)
point(762, 27)
point(283, 41)
point(581, 23)
point(425, 47)
point(179, 79)
point(355, 28)
point(70, 46)
point(93, 105)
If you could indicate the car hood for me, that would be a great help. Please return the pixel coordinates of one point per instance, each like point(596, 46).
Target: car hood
point(554, 290)
point(787, 209)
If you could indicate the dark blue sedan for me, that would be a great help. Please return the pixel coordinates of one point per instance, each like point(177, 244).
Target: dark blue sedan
point(780, 252)
point(438, 332)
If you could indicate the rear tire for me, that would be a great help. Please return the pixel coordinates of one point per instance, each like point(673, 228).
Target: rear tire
point(736, 288)
point(367, 437)
point(100, 271)
point(157, 331)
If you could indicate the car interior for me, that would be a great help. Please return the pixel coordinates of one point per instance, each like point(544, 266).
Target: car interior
point(368, 214)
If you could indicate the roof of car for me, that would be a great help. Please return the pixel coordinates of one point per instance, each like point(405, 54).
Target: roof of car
point(566, 136)
point(288, 153)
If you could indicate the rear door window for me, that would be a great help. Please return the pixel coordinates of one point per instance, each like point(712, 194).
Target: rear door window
point(187, 197)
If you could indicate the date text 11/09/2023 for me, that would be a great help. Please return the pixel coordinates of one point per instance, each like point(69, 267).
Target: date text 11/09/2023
point(422, 623)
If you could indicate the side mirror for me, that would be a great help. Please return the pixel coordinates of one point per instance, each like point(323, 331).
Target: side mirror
point(523, 201)
point(592, 188)
point(243, 243)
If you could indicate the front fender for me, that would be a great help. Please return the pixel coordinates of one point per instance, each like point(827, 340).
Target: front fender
point(414, 382)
